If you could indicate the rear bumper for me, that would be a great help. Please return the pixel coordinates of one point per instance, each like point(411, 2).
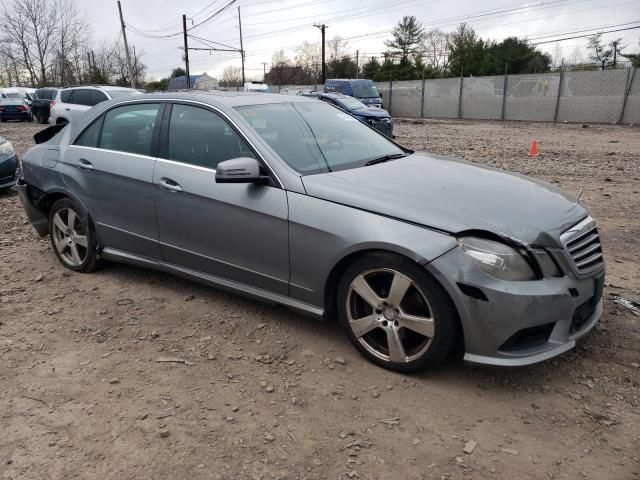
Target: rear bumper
point(515, 324)
point(8, 172)
point(15, 115)
point(38, 219)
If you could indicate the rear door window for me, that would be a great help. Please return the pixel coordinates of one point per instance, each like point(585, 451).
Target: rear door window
point(130, 128)
point(89, 137)
point(82, 97)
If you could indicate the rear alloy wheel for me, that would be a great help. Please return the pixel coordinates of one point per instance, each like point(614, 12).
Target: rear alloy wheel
point(71, 237)
point(395, 313)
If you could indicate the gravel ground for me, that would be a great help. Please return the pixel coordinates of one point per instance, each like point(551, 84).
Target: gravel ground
point(258, 392)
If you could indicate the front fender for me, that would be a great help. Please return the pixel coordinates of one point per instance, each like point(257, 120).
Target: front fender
point(322, 233)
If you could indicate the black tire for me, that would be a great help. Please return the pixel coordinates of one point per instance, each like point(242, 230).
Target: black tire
point(62, 121)
point(42, 119)
point(441, 309)
point(90, 261)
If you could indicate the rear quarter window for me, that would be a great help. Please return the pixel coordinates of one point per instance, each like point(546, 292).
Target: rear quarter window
point(65, 97)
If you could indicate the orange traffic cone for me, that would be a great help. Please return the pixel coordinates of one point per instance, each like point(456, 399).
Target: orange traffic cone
point(533, 151)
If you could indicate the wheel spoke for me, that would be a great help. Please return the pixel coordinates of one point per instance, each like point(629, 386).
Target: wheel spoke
point(364, 325)
point(422, 325)
point(75, 255)
point(58, 222)
point(61, 243)
point(71, 219)
point(399, 286)
point(362, 288)
point(81, 240)
point(396, 349)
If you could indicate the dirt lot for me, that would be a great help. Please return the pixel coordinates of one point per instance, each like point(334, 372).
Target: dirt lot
point(264, 393)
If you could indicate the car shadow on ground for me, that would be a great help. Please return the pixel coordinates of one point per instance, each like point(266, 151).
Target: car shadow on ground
point(328, 335)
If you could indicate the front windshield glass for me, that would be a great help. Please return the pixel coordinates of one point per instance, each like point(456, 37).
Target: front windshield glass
point(315, 137)
point(364, 90)
point(352, 103)
point(123, 92)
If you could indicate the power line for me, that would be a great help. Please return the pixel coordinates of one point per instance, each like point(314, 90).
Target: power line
point(584, 36)
point(599, 27)
point(177, 34)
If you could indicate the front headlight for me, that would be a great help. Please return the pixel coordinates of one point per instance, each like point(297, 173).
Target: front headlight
point(497, 259)
point(6, 148)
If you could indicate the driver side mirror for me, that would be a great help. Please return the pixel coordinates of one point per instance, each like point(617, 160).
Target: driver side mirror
point(238, 170)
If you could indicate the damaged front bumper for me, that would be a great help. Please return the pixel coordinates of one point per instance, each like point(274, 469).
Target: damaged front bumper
point(507, 323)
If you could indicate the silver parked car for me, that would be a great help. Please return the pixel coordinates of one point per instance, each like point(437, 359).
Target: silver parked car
point(289, 200)
point(71, 102)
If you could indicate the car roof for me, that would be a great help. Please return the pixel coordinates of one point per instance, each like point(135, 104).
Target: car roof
point(354, 80)
point(97, 87)
point(228, 99)
point(223, 100)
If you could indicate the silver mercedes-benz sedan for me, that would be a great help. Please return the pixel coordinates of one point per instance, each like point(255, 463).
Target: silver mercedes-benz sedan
point(292, 201)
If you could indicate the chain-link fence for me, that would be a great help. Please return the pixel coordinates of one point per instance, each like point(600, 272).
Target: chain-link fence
point(604, 96)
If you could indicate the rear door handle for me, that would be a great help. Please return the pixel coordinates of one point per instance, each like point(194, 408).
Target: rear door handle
point(86, 164)
point(170, 185)
point(68, 109)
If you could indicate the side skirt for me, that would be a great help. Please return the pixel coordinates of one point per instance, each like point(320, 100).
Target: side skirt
point(115, 255)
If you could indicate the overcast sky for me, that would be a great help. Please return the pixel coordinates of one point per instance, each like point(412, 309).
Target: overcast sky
point(269, 25)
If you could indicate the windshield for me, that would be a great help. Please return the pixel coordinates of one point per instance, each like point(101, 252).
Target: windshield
point(315, 137)
point(124, 92)
point(351, 103)
point(364, 90)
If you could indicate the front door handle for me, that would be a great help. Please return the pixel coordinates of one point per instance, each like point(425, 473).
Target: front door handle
point(170, 185)
point(86, 164)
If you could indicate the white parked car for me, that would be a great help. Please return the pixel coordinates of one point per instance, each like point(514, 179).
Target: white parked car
point(71, 102)
point(257, 87)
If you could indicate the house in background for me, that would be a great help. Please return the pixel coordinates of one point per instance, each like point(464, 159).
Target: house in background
point(205, 82)
point(200, 82)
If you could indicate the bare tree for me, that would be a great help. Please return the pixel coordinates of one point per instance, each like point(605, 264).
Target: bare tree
point(72, 37)
point(232, 76)
point(337, 48)
point(435, 48)
point(42, 29)
point(309, 59)
point(16, 41)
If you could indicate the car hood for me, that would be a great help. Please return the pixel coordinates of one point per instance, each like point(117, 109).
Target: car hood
point(454, 196)
point(373, 112)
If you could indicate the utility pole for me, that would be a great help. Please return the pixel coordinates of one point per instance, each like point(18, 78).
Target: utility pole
point(241, 48)
point(322, 28)
point(126, 47)
point(186, 50)
point(615, 52)
point(357, 63)
point(264, 71)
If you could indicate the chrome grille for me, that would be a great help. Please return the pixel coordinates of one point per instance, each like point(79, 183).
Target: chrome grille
point(582, 244)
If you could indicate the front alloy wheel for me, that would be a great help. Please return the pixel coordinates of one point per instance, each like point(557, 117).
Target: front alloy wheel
point(396, 314)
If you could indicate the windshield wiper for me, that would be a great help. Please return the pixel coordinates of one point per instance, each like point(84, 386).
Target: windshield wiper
point(385, 158)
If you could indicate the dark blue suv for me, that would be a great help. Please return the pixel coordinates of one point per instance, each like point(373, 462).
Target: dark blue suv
point(373, 116)
point(362, 89)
